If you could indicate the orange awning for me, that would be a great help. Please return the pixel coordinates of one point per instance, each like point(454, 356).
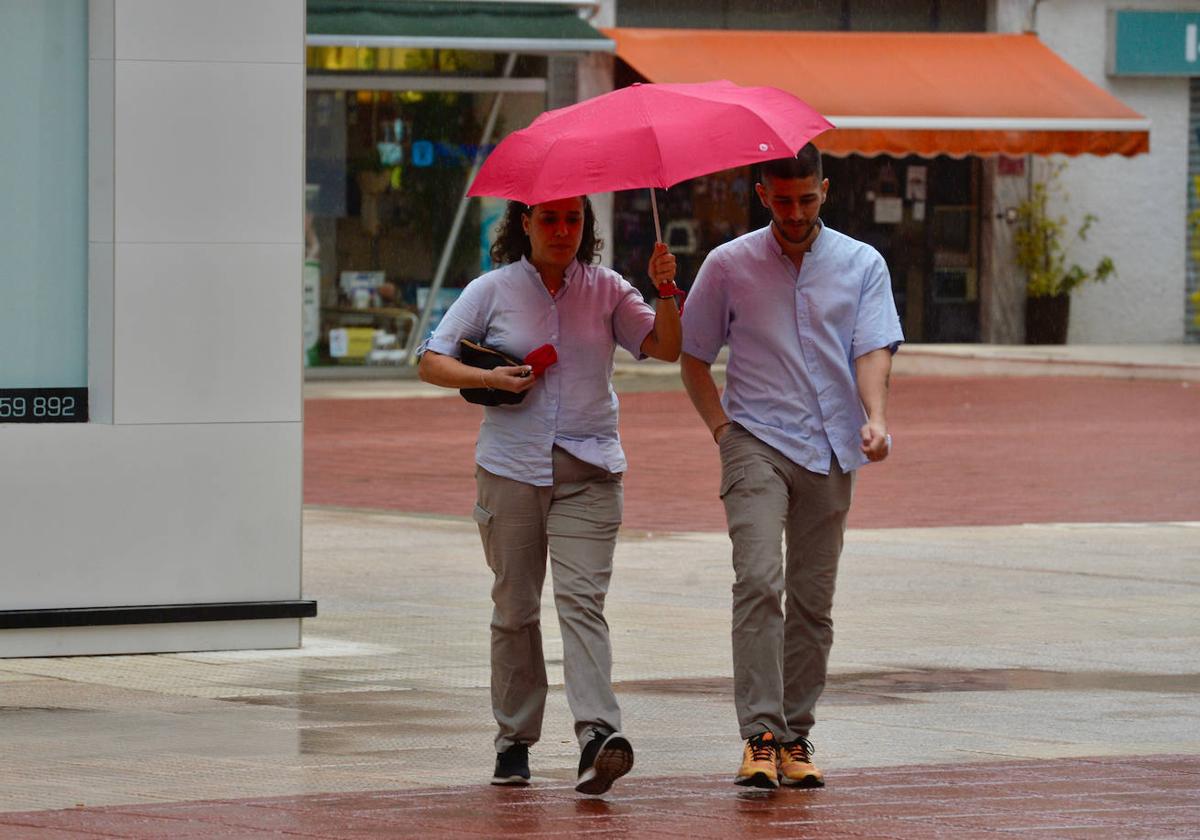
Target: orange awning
point(907, 93)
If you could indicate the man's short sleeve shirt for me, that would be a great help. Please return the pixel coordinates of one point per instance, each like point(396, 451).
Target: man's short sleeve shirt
point(793, 337)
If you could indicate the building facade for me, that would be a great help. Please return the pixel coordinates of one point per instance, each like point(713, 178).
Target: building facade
point(1142, 202)
point(150, 388)
point(946, 223)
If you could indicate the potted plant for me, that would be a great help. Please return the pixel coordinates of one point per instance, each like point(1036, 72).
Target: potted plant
point(1043, 242)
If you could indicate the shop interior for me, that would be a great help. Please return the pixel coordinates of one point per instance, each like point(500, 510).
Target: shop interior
point(389, 155)
point(392, 135)
point(921, 214)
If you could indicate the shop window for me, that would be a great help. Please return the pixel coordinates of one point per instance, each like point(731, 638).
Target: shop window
point(43, 217)
point(386, 170)
point(921, 214)
point(697, 216)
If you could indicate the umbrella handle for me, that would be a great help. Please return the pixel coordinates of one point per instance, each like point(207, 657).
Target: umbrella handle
point(654, 207)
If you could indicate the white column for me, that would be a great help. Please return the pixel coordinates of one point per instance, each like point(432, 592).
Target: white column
point(185, 488)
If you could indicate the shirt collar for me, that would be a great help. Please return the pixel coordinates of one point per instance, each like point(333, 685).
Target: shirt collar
point(573, 271)
point(814, 247)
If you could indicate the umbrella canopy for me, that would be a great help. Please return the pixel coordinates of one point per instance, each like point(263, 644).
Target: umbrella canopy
point(646, 136)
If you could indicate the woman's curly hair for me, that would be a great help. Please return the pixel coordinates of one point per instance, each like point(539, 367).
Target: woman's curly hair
point(512, 242)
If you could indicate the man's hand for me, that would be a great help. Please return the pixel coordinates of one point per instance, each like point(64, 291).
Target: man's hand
point(873, 371)
point(515, 379)
point(876, 442)
point(721, 430)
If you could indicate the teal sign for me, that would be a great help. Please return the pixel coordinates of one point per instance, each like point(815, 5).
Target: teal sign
point(1154, 43)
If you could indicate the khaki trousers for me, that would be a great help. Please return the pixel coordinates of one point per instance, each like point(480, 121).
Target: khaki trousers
point(576, 520)
point(780, 658)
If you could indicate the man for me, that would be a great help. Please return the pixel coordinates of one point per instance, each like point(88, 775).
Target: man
point(811, 326)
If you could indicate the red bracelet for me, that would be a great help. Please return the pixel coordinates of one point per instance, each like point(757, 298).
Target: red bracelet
point(668, 289)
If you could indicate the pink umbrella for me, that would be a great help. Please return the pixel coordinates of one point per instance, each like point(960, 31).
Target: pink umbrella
point(646, 136)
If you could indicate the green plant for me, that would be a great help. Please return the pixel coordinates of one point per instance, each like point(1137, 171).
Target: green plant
point(1043, 244)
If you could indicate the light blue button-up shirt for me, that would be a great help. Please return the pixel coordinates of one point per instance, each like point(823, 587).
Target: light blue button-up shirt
point(573, 405)
point(793, 337)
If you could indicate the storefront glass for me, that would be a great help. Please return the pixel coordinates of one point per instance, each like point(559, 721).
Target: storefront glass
point(43, 218)
point(388, 160)
point(1192, 325)
point(920, 214)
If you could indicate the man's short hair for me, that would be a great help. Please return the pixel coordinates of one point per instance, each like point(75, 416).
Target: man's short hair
point(806, 164)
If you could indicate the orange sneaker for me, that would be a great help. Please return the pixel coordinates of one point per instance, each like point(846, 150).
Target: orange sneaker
point(759, 763)
point(795, 765)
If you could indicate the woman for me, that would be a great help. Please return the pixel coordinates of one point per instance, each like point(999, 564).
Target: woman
point(549, 469)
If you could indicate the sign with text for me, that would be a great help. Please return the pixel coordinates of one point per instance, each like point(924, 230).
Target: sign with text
point(1154, 43)
point(43, 405)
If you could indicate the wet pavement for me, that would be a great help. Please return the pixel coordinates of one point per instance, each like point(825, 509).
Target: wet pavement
point(1087, 798)
point(1016, 633)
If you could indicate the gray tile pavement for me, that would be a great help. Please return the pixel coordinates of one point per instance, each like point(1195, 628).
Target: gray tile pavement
point(952, 645)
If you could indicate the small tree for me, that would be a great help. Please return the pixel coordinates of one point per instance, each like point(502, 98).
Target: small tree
point(1041, 250)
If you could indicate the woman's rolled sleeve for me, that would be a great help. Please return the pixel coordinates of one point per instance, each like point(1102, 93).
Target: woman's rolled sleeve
point(464, 319)
point(632, 319)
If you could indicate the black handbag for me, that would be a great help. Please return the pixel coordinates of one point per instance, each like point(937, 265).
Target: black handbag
point(486, 358)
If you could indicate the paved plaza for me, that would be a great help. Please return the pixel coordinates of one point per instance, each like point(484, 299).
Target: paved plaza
point(1017, 621)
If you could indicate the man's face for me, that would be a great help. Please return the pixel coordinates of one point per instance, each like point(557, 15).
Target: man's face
point(795, 205)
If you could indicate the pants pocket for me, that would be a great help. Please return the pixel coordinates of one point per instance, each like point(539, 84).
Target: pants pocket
point(729, 479)
point(483, 518)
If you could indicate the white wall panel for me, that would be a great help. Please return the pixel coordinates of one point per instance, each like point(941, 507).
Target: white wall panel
point(210, 30)
point(196, 119)
point(101, 82)
point(152, 638)
point(1141, 202)
point(208, 333)
point(209, 152)
point(101, 31)
point(100, 332)
point(97, 515)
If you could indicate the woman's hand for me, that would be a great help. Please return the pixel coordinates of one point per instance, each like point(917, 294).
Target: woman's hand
point(666, 337)
point(515, 379)
point(662, 265)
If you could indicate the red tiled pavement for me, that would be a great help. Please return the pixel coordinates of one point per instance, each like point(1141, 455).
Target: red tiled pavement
point(988, 451)
point(1097, 798)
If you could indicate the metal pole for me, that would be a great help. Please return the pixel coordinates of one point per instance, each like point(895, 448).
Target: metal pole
point(439, 276)
point(654, 207)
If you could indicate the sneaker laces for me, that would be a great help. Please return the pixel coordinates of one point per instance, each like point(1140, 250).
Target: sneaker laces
point(800, 750)
point(762, 748)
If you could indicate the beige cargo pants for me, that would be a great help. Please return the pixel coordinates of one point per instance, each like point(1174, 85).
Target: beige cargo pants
point(780, 657)
point(576, 520)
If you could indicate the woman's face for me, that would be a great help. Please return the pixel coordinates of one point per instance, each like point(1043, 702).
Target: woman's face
point(555, 229)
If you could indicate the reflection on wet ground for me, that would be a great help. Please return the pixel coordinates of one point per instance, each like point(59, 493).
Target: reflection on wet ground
point(873, 687)
point(949, 650)
point(1096, 798)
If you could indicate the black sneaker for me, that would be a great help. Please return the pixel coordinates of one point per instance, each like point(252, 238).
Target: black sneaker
point(606, 758)
point(512, 766)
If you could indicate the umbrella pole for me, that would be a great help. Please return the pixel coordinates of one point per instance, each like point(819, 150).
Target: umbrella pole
point(439, 276)
point(654, 207)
